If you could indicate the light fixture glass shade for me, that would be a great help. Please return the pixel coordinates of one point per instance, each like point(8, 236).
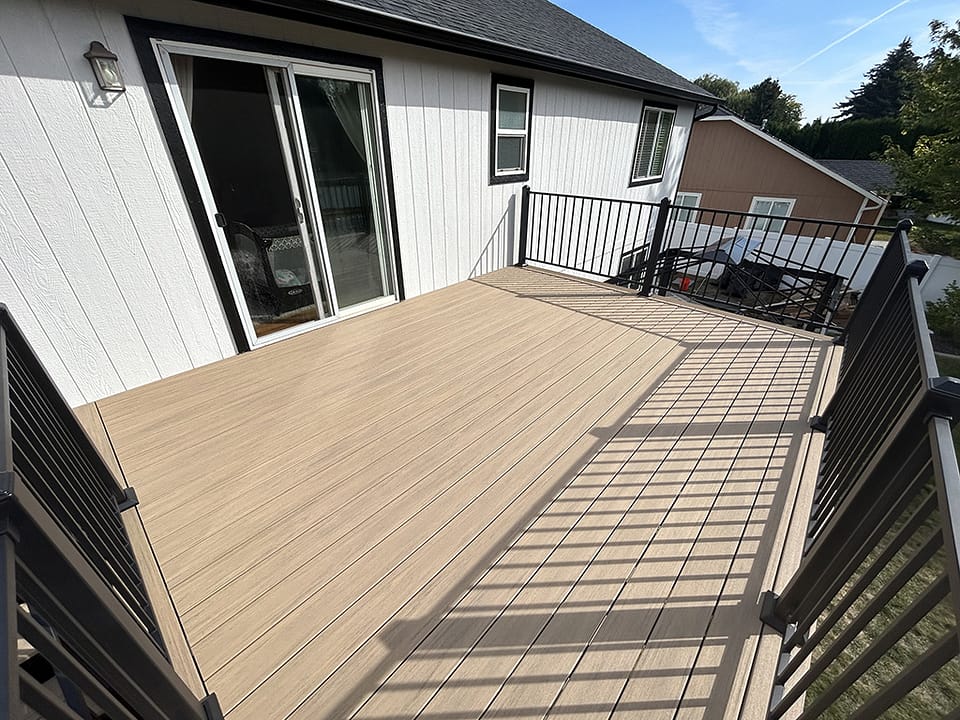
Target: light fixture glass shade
point(106, 67)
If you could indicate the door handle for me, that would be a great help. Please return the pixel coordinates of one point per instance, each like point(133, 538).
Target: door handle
point(300, 218)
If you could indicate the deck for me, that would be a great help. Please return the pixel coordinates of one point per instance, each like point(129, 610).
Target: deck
point(522, 496)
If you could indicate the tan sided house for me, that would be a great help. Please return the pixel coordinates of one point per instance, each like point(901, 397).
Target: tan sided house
point(733, 165)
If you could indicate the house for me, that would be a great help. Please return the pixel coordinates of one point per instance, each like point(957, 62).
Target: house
point(734, 166)
point(490, 491)
point(873, 175)
point(243, 172)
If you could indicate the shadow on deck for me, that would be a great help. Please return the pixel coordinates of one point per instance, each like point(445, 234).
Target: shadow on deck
point(522, 496)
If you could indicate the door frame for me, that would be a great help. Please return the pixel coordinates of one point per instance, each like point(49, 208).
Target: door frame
point(145, 35)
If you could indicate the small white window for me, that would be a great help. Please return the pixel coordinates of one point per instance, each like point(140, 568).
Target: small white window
point(511, 131)
point(653, 143)
point(687, 200)
point(779, 207)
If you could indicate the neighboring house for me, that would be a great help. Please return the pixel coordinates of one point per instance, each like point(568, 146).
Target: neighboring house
point(734, 166)
point(258, 172)
point(873, 175)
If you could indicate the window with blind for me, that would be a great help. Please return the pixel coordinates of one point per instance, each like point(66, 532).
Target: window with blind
point(653, 143)
point(510, 129)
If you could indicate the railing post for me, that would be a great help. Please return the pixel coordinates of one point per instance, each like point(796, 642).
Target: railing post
point(524, 225)
point(9, 660)
point(653, 252)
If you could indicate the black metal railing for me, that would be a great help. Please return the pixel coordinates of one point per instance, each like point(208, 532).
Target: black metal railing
point(795, 271)
point(79, 633)
point(871, 614)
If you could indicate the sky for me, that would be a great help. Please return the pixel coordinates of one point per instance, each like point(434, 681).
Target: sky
point(819, 50)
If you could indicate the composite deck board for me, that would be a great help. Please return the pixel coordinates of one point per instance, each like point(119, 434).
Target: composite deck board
point(523, 496)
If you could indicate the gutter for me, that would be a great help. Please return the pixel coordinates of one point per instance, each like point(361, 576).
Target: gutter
point(343, 16)
point(703, 116)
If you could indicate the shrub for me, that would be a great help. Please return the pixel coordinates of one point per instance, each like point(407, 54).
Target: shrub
point(943, 317)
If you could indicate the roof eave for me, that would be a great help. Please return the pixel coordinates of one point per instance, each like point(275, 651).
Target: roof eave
point(343, 16)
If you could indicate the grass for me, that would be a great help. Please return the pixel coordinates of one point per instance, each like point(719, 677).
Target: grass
point(940, 693)
point(949, 365)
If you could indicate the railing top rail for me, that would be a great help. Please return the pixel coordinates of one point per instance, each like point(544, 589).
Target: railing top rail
point(13, 332)
point(595, 198)
point(790, 219)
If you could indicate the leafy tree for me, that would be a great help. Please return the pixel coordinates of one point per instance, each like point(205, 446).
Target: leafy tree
point(771, 108)
point(930, 177)
point(729, 91)
point(764, 104)
point(888, 86)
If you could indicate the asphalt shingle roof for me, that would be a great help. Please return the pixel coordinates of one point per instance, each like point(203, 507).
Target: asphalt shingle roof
point(872, 175)
point(536, 33)
point(535, 25)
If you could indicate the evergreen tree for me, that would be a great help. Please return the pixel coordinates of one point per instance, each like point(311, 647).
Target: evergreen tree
point(887, 88)
point(930, 177)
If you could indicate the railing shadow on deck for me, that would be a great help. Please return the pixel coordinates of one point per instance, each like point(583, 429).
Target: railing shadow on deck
point(730, 637)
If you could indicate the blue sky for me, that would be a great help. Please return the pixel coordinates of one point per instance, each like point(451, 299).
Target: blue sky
point(818, 49)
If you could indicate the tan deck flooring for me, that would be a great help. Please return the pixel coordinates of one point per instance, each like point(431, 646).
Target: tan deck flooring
point(522, 496)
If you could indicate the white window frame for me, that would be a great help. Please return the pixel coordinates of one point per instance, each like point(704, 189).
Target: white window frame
point(688, 214)
point(662, 111)
point(511, 132)
point(769, 224)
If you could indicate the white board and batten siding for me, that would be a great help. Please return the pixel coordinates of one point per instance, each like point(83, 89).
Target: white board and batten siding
point(99, 260)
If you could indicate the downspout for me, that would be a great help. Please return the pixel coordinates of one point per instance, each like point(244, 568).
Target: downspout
point(864, 208)
point(683, 161)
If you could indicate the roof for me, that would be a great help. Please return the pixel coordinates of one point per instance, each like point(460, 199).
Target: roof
point(874, 175)
point(790, 150)
point(534, 33)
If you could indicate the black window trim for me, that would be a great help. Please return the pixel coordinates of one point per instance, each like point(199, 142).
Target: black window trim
point(496, 80)
point(142, 32)
point(636, 145)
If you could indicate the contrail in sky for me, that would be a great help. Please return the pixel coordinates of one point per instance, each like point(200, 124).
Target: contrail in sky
point(850, 34)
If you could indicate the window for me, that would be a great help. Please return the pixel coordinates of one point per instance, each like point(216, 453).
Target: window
point(780, 207)
point(687, 200)
point(653, 143)
point(510, 116)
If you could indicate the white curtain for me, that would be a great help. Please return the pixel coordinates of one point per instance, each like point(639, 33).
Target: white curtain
point(183, 69)
point(344, 98)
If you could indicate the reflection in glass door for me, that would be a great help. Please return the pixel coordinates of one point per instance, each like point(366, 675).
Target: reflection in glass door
point(289, 154)
point(338, 125)
point(232, 111)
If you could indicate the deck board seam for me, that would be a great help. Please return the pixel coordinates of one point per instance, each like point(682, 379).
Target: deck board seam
point(511, 545)
point(373, 635)
point(479, 464)
point(385, 505)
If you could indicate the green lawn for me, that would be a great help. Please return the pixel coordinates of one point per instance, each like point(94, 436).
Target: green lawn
point(940, 694)
point(949, 365)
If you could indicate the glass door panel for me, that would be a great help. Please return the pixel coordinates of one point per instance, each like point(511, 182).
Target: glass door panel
point(339, 129)
point(240, 136)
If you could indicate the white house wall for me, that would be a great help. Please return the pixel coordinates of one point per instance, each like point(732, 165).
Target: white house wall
point(99, 259)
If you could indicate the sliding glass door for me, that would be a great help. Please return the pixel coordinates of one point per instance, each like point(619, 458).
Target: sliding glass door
point(288, 158)
point(338, 124)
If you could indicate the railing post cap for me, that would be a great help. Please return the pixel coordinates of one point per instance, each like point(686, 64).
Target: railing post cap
point(906, 225)
point(916, 269)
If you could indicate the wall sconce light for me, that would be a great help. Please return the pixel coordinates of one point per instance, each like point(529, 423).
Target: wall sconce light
point(105, 67)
